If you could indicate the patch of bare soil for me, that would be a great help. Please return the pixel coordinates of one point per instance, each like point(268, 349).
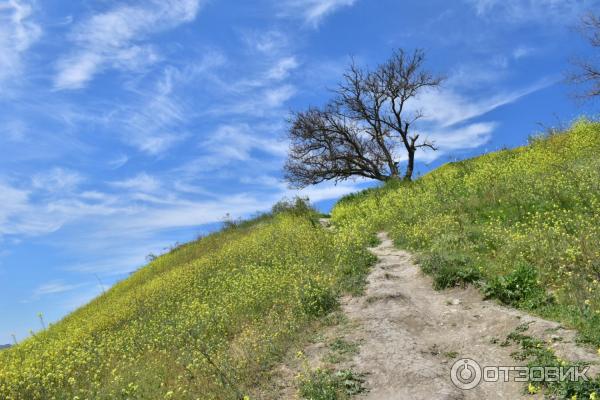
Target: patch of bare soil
point(410, 336)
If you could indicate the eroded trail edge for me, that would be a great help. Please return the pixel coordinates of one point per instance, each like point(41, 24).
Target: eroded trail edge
point(410, 334)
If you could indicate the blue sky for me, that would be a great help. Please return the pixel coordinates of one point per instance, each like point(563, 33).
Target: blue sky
point(127, 126)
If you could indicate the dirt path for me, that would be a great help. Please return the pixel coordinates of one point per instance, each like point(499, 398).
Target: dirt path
point(410, 335)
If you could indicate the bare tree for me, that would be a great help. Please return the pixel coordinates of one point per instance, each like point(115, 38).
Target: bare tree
point(588, 72)
point(365, 128)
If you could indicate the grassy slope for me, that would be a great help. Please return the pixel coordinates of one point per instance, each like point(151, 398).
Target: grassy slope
point(524, 223)
point(211, 318)
point(206, 321)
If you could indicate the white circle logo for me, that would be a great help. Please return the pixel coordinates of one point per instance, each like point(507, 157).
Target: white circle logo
point(465, 374)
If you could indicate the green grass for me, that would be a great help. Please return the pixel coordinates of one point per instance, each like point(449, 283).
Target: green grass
point(341, 350)
point(522, 224)
point(326, 384)
point(208, 320)
point(538, 354)
point(212, 318)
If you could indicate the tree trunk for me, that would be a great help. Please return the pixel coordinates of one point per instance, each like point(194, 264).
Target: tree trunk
point(410, 165)
point(392, 177)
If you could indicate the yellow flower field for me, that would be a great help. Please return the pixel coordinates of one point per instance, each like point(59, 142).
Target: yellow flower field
point(523, 223)
point(206, 321)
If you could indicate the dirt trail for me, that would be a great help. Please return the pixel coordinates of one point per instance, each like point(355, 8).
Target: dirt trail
point(410, 334)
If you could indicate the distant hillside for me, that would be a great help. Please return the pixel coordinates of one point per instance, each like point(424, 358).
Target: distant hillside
point(4, 346)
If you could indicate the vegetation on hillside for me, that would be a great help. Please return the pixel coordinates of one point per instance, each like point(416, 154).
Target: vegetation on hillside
point(523, 224)
point(210, 319)
point(206, 321)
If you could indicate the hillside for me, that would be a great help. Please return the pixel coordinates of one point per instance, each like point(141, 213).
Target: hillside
point(212, 318)
point(207, 320)
point(523, 223)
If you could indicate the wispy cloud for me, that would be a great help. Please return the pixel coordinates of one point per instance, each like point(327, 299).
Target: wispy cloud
point(157, 116)
point(53, 287)
point(466, 137)
point(14, 201)
point(49, 202)
point(155, 122)
point(282, 68)
point(313, 11)
point(18, 32)
point(522, 52)
point(561, 11)
point(141, 182)
point(266, 42)
point(234, 143)
point(117, 39)
point(57, 179)
point(447, 106)
point(267, 102)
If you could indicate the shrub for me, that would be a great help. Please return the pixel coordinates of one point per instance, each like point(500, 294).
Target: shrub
point(317, 299)
point(296, 206)
point(518, 288)
point(449, 270)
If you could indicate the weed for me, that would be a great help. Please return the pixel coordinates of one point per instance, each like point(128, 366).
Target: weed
point(341, 350)
point(451, 354)
point(518, 288)
point(325, 384)
point(538, 354)
point(449, 270)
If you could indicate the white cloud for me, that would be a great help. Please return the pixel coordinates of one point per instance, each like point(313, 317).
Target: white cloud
point(313, 11)
point(50, 202)
point(118, 161)
point(522, 51)
point(54, 287)
point(467, 137)
point(122, 260)
point(234, 143)
point(542, 11)
point(141, 182)
point(18, 215)
point(446, 106)
point(155, 124)
point(269, 43)
point(17, 33)
point(281, 70)
point(114, 39)
point(267, 102)
point(157, 120)
point(276, 97)
point(14, 201)
point(328, 191)
point(57, 179)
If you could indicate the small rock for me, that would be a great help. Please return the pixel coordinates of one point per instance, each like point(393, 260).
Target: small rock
point(455, 302)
